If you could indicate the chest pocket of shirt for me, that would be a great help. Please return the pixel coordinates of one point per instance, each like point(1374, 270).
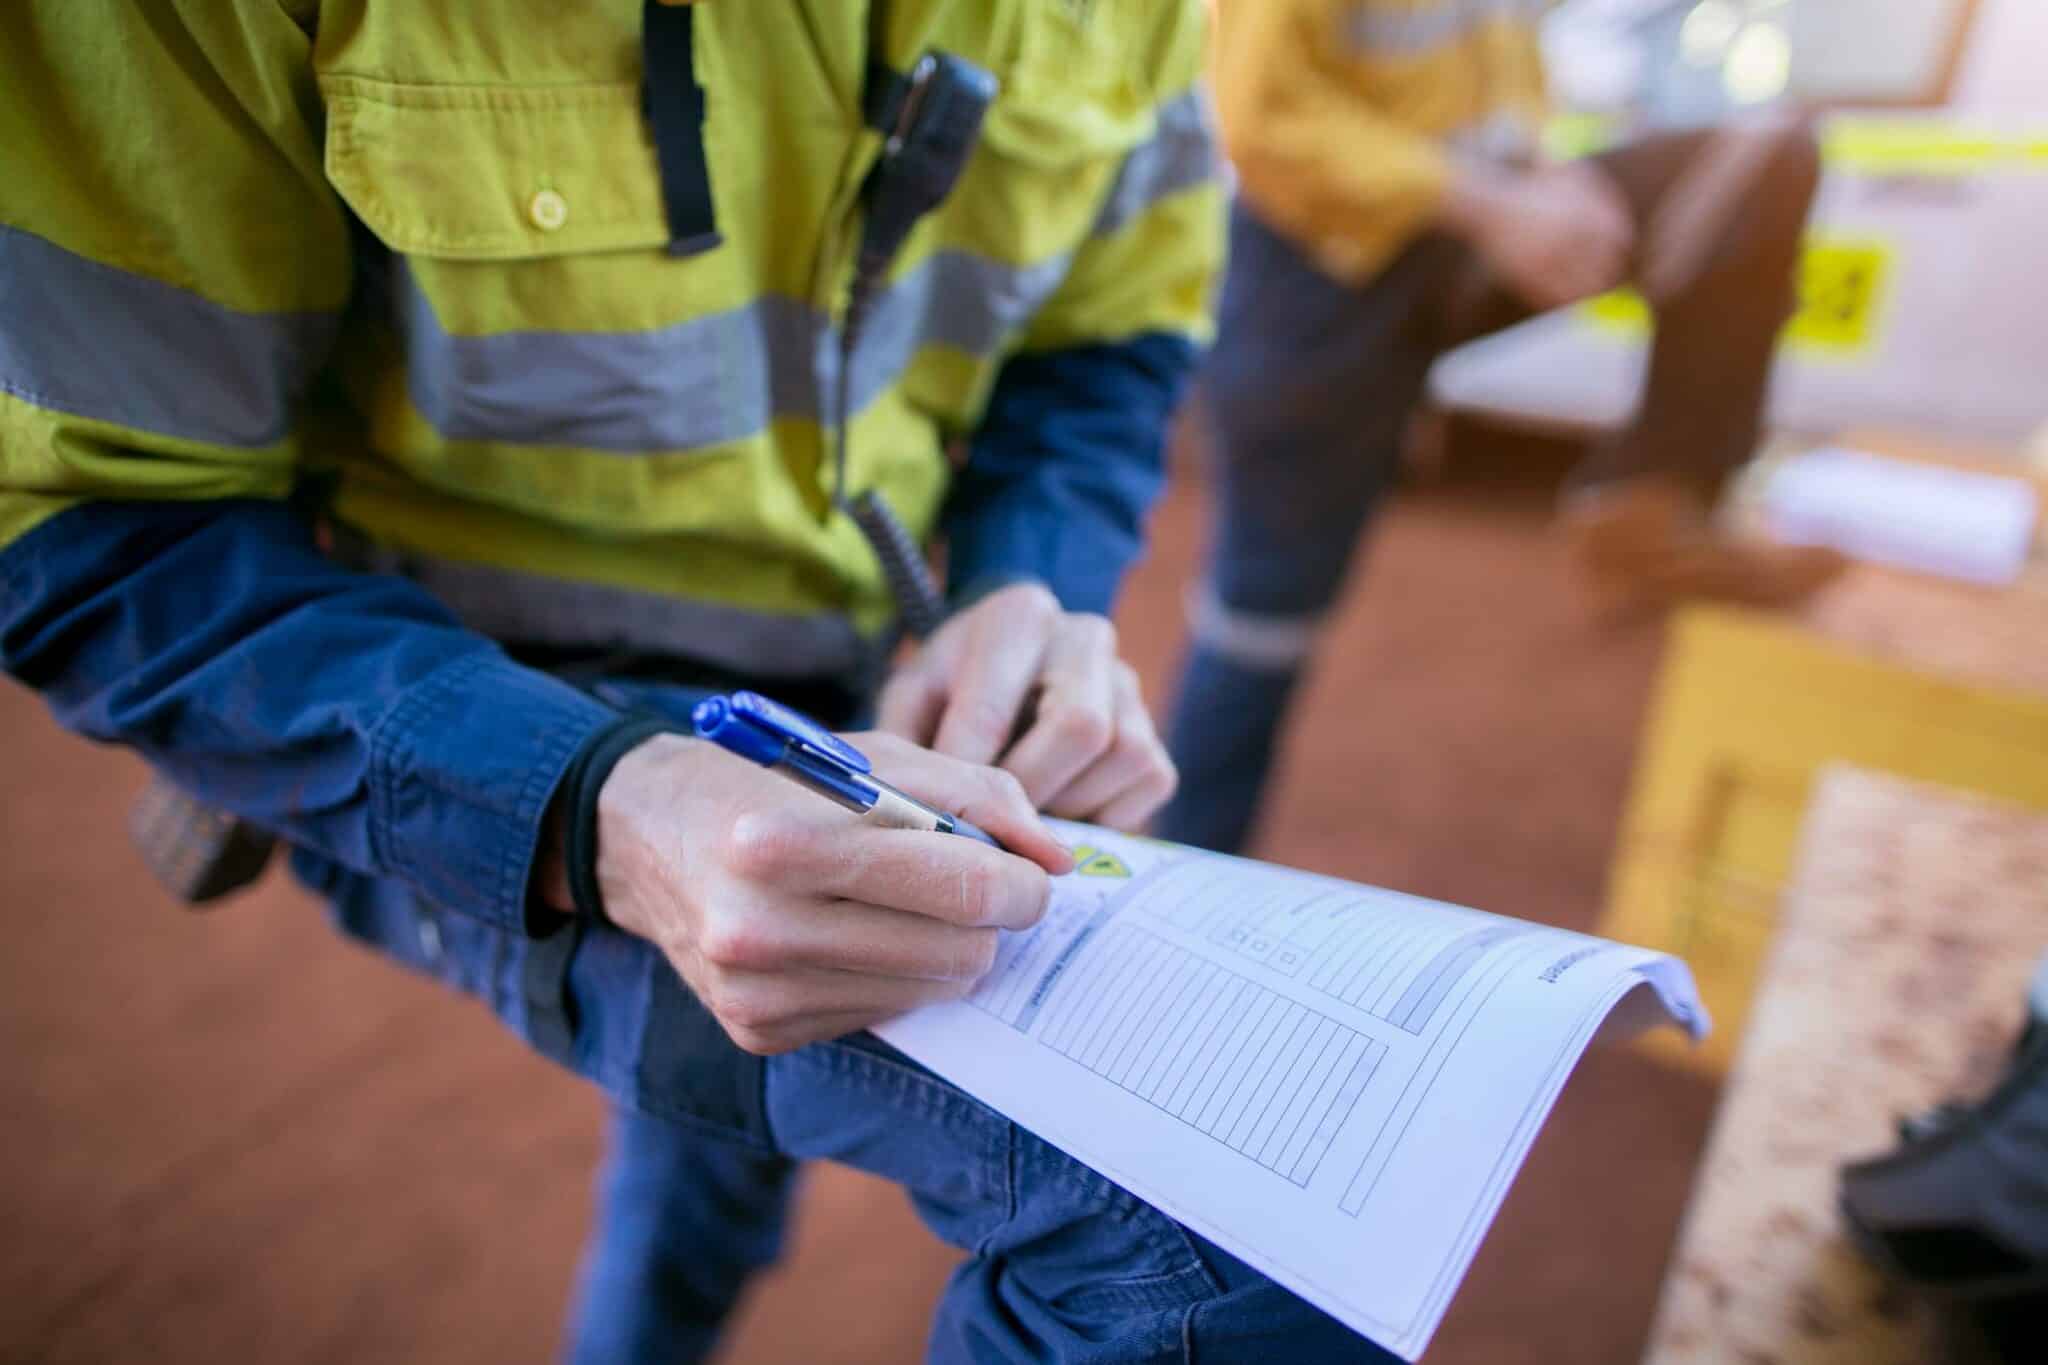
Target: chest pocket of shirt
point(533, 292)
point(494, 173)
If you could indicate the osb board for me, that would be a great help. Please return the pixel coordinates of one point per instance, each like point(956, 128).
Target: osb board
point(1748, 708)
point(1898, 980)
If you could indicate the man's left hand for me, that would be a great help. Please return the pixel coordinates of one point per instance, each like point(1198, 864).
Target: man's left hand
point(1016, 682)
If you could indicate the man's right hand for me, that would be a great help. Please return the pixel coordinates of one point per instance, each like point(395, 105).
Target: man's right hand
point(1554, 235)
point(791, 920)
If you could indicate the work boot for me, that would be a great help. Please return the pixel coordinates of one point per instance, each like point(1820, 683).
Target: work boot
point(1647, 539)
point(1958, 1213)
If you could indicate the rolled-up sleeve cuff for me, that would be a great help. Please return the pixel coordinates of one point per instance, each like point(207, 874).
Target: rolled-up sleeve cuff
point(462, 771)
point(968, 593)
point(1083, 564)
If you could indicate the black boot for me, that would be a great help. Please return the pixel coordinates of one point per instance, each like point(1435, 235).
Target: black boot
point(1959, 1212)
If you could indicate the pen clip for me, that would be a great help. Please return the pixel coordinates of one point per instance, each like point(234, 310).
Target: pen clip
point(798, 729)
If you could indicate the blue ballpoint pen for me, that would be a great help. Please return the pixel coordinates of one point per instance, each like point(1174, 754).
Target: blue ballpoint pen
point(773, 735)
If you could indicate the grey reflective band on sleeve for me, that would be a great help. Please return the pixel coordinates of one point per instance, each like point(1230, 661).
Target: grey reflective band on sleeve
point(709, 380)
point(1180, 155)
point(84, 338)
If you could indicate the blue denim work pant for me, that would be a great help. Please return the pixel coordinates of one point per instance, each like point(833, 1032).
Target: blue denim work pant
point(1062, 1265)
point(1309, 390)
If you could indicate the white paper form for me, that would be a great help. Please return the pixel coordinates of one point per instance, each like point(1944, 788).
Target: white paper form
point(1334, 1083)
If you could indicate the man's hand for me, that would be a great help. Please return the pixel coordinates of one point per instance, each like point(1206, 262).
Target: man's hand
point(1554, 236)
point(1016, 681)
point(791, 920)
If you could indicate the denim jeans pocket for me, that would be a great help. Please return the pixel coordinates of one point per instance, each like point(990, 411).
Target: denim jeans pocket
point(1084, 1247)
point(862, 1104)
point(1073, 1240)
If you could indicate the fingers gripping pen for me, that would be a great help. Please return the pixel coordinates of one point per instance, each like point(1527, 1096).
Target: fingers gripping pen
point(773, 735)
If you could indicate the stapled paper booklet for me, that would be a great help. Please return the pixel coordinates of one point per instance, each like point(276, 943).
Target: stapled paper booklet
point(1334, 1083)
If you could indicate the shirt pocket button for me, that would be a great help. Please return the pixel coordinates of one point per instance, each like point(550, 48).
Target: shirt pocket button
point(547, 210)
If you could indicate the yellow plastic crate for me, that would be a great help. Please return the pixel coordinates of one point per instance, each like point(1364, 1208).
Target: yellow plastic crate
point(1748, 709)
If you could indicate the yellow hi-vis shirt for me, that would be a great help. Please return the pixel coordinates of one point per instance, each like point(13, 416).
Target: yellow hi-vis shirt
point(1341, 116)
point(419, 244)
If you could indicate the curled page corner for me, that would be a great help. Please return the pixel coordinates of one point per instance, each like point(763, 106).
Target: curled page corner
point(1672, 981)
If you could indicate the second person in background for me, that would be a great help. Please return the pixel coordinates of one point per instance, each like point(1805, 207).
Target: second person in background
point(1394, 203)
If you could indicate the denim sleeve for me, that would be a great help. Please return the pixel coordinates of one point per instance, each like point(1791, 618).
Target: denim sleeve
point(1064, 468)
point(347, 712)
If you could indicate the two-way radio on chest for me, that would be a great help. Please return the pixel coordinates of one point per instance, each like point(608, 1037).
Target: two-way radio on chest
point(930, 134)
point(930, 119)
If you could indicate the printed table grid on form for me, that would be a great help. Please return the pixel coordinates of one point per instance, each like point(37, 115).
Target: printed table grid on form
point(1266, 1076)
point(1203, 1044)
point(1364, 950)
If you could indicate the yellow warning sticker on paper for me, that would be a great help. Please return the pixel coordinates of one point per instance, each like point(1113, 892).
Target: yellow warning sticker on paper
point(1090, 861)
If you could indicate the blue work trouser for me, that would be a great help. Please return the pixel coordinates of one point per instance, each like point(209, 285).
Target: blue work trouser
point(1309, 391)
point(1062, 1265)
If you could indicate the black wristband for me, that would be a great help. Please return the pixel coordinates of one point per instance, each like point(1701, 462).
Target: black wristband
point(580, 786)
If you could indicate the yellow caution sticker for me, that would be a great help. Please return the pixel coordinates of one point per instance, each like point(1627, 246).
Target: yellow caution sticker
point(1842, 287)
point(1090, 861)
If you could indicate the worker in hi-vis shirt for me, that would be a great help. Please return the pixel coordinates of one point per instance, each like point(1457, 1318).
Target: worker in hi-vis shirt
point(1392, 204)
point(408, 411)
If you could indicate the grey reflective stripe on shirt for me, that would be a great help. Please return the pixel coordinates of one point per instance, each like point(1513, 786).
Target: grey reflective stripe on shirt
point(725, 377)
point(531, 609)
point(80, 337)
point(952, 298)
point(701, 382)
point(709, 380)
point(1379, 30)
point(1180, 154)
